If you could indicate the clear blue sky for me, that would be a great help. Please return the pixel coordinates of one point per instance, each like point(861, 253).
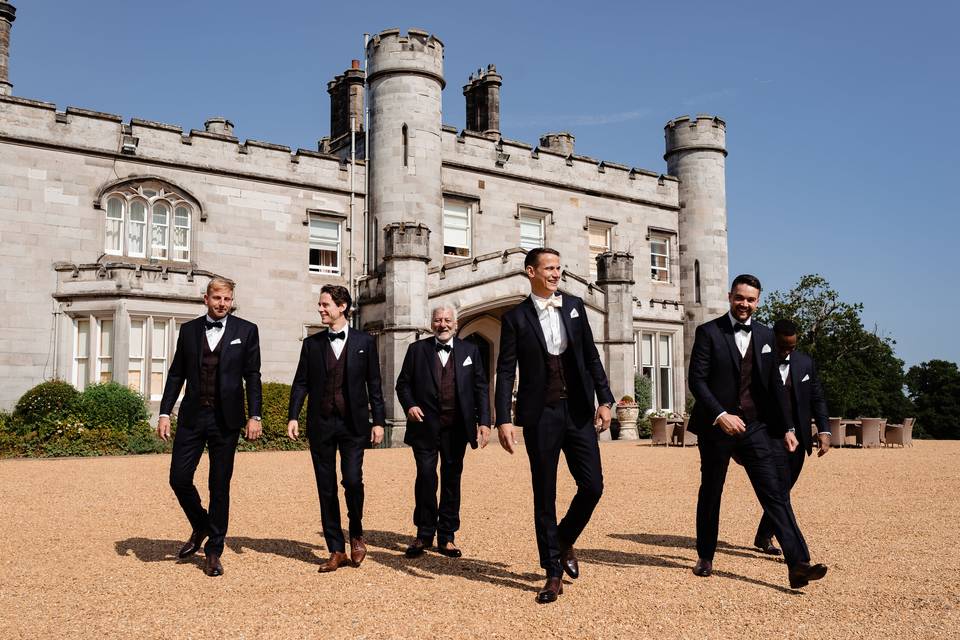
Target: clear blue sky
point(843, 118)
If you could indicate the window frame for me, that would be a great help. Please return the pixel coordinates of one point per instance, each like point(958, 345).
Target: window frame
point(536, 215)
point(654, 269)
point(338, 222)
point(471, 206)
point(607, 228)
point(655, 370)
point(151, 196)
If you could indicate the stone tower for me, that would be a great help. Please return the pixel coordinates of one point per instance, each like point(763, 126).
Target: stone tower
point(615, 276)
point(8, 13)
point(696, 154)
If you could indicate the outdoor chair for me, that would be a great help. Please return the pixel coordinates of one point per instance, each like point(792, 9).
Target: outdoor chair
point(682, 437)
point(901, 434)
point(869, 432)
point(838, 432)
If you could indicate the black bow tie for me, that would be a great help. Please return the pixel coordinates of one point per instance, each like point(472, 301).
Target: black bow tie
point(785, 361)
point(742, 327)
point(444, 347)
point(335, 336)
point(211, 325)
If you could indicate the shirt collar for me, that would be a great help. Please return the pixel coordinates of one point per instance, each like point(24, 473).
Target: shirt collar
point(539, 302)
point(439, 341)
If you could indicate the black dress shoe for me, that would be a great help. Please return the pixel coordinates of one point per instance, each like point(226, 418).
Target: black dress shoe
point(551, 590)
point(192, 545)
point(568, 560)
point(416, 549)
point(213, 567)
point(803, 573)
point(450, 552)
point(703, 568)
point(766, 545)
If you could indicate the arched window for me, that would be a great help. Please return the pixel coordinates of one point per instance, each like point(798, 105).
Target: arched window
point(696, 280)
point(148, 220)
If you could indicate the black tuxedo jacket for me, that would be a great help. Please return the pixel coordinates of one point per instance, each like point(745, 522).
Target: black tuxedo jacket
point(239, 364)
point(809, 400)
point(418, 386)
point(522, 343)
point(361, 373)
point(714, 376)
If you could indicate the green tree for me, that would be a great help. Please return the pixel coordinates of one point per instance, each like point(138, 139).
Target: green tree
point(934, 387)
point(860, 371)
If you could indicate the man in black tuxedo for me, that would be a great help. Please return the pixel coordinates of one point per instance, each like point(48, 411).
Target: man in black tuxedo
point(443, 389)
point(216, 355)
point(740, 411)
point(339, 370)
point(805, 400)
point(549, 337)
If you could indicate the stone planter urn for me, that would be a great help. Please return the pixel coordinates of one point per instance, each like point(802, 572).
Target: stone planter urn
point(627, 415)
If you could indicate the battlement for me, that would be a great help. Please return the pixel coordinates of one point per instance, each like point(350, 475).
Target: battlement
point(703, 133)
point(471, 151)
point(417, 52)
point(216, 150)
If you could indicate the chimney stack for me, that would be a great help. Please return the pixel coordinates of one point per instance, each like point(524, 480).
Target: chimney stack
point(482, 94)
point(346, 100)
point(8, 13)
point(560, 142)
point(219, 125)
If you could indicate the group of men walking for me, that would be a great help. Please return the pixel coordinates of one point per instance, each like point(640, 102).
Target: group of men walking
point(755, 396)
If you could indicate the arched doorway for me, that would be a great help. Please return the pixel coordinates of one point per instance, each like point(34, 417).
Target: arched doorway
point(484, 331)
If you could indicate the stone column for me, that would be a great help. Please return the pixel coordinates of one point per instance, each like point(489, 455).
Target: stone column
point(8, 13)
point(615, 276)
point(406, 253)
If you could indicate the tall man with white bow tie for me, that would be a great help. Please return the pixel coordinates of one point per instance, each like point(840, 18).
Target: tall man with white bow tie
point(741, 411)
point(561, 376)
point(217, 356)
point(442, 387)
point(339, 370)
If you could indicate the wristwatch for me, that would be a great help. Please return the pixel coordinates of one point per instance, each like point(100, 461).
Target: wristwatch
point(257, 418)
point(608, 405)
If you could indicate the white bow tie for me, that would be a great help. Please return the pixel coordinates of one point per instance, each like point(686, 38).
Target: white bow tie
point(552, 301)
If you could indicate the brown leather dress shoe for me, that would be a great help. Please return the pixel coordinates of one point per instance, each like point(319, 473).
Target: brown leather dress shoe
point(192, 545)
point(568, 560)
point(803, 573)
point(416, 549)
point(337, 560)
point(212, 567)
point(551, 591)
point(358, 551)
point(703, 568)
point(766, 545)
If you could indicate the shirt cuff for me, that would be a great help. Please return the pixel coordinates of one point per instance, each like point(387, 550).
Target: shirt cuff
point(164, 415)
point(824, 433)
point(791, 430)
point(717, 419)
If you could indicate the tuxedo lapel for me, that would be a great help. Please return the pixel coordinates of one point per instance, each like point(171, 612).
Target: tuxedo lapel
point(431, 358)
point(460, 372)
point(727, 329)
point(530, 311)
point(350, 348)
point(325, 348)
point(230, 330)
point(200, 338)
point(758, 345)
point(564, 312)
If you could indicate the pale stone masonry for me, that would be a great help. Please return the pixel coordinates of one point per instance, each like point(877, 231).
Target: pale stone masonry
point(110, 229)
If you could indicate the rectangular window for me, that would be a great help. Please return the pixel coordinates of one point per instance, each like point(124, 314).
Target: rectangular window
point(599, 243)
point(456, 227)
point(81, 353)
point(181, 234)
point(159, 230)
point(105, 350)
point(659, 259)
point(137, 230)
point(646, 365)
point(114, 228)
point(158, 357)
point(324, 245)
point(138, 343)
point(531, 230)
point(665, 362)
point(656, 363)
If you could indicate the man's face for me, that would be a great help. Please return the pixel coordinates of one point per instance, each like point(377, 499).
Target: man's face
point(219, 302)
point(545, 277)
point(743, 301)
point(443, 325)
point(330, 312)
point(786, 345)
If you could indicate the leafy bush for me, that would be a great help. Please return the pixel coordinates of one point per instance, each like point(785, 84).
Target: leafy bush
point(112, 406)
point(276, 401)
point(44, 404)
point(643, 390)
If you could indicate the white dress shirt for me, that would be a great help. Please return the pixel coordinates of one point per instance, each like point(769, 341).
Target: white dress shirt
point(444, 355)
point(548, 311)
point(785, 369)
point(742, 337)
point(214, 333)
point(338, 344)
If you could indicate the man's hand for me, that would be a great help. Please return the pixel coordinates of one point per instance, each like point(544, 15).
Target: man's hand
point(790, 441)
point(507, 437)
point(823, 443)
point(163, 428)
point(483, 435)
point(731, 425)
point(293, 429)
point(415, 414)
point(254, 429)
point(601, 421)
point(376, 435)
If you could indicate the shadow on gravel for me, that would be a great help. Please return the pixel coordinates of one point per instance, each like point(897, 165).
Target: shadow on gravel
point(686, 542)
point(149, 550)
point(387, 548)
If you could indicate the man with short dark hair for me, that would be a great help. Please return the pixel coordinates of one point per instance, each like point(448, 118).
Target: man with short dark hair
point(805, 401)
point(549, 337)
point(740, 411)
point(217, 356)
point(339, 370)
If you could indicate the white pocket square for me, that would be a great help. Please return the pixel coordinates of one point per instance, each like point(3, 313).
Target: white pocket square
point(574, 314)
point(236, 341)
point(468, 361)
point(360, 351)
point(766, 349)
point(806, 378)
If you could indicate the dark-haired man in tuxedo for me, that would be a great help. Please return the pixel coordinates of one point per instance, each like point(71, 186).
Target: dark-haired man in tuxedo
point(339, 370)
point(549, 338)
point(805, 401)
point(740, 411)
point(217, 355)
point(443, 389)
